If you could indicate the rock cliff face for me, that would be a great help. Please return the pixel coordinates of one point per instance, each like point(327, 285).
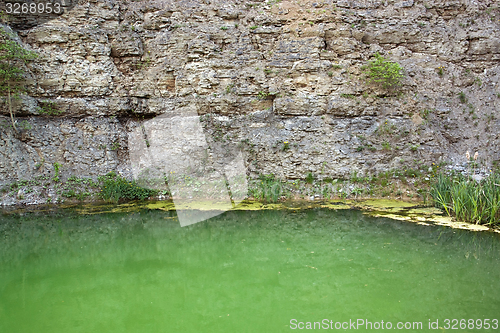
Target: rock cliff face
point(282, 80)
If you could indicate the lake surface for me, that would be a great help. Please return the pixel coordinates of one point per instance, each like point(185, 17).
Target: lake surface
point(242, 271)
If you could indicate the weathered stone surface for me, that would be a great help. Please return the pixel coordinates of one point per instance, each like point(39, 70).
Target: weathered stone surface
point(303, 106)
point(127, 44)
point(491, 45)
point(90, 146)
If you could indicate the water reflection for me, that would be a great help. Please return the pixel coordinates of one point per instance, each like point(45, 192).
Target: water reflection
point(141, 271)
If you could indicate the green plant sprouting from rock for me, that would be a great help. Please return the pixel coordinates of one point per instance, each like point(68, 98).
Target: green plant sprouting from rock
point(49, 109)
point(462, 97)
point(57, 166)
point(384, 72)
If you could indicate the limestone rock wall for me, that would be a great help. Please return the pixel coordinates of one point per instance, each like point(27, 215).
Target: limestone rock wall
point(261, 74)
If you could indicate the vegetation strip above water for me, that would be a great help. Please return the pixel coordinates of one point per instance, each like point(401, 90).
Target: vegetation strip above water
point(470, 197)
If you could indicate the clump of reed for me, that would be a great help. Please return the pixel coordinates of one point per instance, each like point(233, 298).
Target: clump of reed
point(469, 198)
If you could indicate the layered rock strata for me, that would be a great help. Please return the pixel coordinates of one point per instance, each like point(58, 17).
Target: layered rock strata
point(281, 80)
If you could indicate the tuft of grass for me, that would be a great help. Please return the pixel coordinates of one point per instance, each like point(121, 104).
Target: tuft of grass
point(471, 108)
point(229, 88)
point(309, 178)
point(468, 200)
point(144, 63)
point(267, 188)
point(371, 148)
point(425, 113)
point(358, 179)
point(386, 129)
point(350, 96)
point(462, 97)
point(414, 147)
point(25, 125)
point(48, 108)
point(262, 95)
point(115, 146)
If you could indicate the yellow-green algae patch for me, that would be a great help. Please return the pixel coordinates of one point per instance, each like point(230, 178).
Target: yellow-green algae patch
point(386, 203)
point(248, 205)
point(168, 205)
point(395, 209)
point(110, 208)
point(414, 212)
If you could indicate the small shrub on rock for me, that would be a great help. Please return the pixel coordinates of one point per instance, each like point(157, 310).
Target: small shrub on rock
point(384, 72)
point(113, 187)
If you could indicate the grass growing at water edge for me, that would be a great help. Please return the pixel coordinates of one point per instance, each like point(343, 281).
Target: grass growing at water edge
point(467, 199)
point(267, 188)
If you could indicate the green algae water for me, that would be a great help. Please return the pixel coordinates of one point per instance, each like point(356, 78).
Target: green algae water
point(243, 271)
